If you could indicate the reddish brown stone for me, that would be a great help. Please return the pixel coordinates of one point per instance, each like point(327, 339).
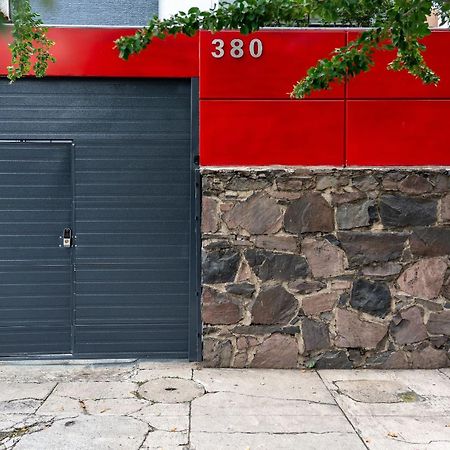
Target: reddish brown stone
point(415, 184)
point(277, 352)
point(219, 308)
point(434, 241)
point(325, 259)
point(439, 323)
point(259, 214)
point(445, 208)
point(424, 279)
point(410, 327)
point(429, 358)
point(306, 287)
point(308, 214)
point(274, 306)
point(353, 332)
point(280, 243)
point(210, 217)
point(318, 303)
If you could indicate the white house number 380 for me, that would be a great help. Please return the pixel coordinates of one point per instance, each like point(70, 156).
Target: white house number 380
point(238, 50)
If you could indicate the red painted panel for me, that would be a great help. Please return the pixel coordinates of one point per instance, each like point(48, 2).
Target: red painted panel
point(397, 132)
point(89, 52)
point(262, 133)
point(383, 83)
point(286, 57)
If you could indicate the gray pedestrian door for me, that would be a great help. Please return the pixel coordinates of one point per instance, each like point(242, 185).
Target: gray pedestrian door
point(35, 270)
point(109, 161)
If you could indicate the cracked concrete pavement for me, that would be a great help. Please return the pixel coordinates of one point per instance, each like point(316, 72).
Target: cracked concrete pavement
point(167, 405)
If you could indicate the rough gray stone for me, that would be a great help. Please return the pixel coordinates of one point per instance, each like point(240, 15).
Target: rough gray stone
point(365, 183)
point(319, 303)
point(219, 308)
point(391, 180)
point(346, 197)
point(424, 279)
point(410, 327)
point(385, 270)
point(353, 332)
point(398, 211)
point(242, 289)
point(276, 266)
point(439, 323)
point(274, 305)
point(367, 248)
point(415, 184)
point(315, 335)
point(259, 214)
point(433, 241)
point(325, 259)
point(279, 243)
point(249, 182)
point(220, 266)
point(210, 217)
point(333, 360)
point(289, 184)
point(327, 181)
point(310, 213)
point(354, 215)
point(371, 297)
point(278, 351)
point(217, 353)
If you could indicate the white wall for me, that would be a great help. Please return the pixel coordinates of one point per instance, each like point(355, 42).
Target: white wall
point(170, 7)
point(4, 7)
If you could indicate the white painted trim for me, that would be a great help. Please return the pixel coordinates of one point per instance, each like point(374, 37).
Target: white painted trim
point(169, 7)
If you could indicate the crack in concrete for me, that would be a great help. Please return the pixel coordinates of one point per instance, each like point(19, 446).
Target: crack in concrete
point(313, 402)
point(20, 432)
point(46, 398)
point(447, 377)
point(279, 433)
point(420, 443)
point(343, 412)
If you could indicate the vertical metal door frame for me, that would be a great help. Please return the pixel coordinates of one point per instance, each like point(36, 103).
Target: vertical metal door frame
point(195, 324)
point(73, 256)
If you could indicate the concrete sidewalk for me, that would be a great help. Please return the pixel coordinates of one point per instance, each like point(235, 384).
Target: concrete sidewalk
point(147, 405)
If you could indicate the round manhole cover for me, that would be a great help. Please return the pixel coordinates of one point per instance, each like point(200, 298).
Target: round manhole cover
point(171, 390)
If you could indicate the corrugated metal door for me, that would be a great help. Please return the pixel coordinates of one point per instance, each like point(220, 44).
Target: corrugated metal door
point(35, 270)
point(134, 252)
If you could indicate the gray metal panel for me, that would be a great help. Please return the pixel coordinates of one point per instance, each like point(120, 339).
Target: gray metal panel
point(134, 230)
point(35, 272)
point(98, 12)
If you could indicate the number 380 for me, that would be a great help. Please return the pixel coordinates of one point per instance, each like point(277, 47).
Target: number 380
point(237, 49)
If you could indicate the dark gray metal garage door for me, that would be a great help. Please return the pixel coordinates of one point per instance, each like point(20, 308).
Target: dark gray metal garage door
point(128, 286)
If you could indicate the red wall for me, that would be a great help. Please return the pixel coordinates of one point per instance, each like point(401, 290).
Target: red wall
point(246, 116)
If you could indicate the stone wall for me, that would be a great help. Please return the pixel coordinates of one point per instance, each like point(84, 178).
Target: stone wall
point(326, 268)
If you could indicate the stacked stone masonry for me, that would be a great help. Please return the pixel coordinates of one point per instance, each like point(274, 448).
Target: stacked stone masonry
point(326, 268)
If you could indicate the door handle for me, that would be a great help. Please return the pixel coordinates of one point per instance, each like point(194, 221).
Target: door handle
point(67, 238)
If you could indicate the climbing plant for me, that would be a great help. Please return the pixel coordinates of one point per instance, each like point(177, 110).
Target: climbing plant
point(30, 47)
point(398, 25)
